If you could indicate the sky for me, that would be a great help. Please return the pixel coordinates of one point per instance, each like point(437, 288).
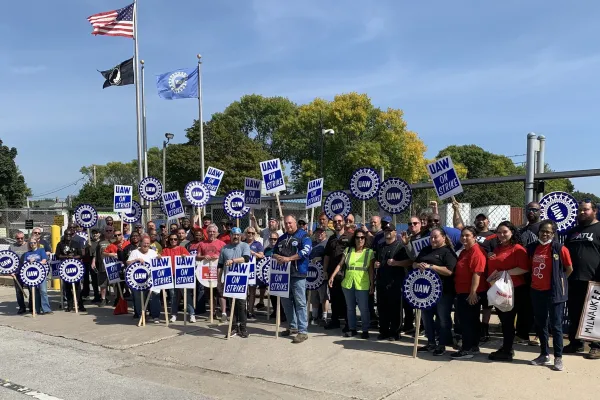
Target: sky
point(463, 72)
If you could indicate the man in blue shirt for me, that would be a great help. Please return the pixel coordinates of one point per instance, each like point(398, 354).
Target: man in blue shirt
point(294, 246)
point(433, 221)
point(38, 254)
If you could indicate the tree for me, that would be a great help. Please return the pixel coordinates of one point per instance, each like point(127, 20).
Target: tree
point(99, 195)
point(364, 136)
point(13, 190)
point(580, 196)
point(478, 163)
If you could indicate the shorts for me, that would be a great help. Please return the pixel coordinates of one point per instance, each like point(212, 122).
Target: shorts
point(320, 295)
point(102, 279)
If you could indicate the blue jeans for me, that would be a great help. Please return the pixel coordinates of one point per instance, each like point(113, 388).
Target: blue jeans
point(153, 304)
point(543, 307)
point(295, 306)
point(442, 312)
point(176, 295)
point(356, 297)
point(41, 298)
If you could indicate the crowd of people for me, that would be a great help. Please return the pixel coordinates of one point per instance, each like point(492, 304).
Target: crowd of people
point(364, 266)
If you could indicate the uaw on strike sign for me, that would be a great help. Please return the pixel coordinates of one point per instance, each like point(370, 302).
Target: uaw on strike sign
point(444, 178)
point(272, 176)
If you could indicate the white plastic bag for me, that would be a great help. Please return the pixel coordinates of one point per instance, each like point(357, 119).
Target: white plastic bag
point(501, 294)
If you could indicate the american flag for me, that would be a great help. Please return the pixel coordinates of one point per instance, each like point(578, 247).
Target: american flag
point(114, 23)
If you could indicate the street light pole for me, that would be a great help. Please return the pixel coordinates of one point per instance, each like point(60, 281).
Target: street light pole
point(169, 136)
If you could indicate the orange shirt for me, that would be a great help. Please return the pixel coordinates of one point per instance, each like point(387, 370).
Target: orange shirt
point(541, 266)
point(470, 261)
point(112, 248)
point(508, 257)
point(172, 252)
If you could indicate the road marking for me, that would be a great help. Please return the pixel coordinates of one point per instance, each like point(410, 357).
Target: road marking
point(26, 391)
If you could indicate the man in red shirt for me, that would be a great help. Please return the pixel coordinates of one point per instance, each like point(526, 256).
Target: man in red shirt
point(225, 237)
point(174, 249)
point(209, 250)
point(116, 249)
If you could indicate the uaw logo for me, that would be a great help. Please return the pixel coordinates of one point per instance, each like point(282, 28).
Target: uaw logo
point(314, 276)
point(395, 195)
point(262, 270)
point(234, 204)
point(178, 81)
point(561, 208)
point(337, 202)
point(71, 271)
point(150, 189)
point(9, 262)
point(197, 193)
point(135, 214)
point(86, 215)
point(422, 289)
point(364, 183)
point(138, 276)
point(33, 273)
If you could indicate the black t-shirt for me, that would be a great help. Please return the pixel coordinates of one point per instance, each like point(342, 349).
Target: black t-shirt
point(529, 233)
point(583, 243)
point(334, 249)
point(387, 274)
point(442, 257)
point(68, 250)
point(102, 245)
point(487, 241)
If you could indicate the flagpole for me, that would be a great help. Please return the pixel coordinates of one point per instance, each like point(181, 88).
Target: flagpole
point(148, 213)
point(137, 93)
point(200, 116)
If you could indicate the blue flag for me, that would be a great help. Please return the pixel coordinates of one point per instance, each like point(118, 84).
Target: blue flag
point(178, 84)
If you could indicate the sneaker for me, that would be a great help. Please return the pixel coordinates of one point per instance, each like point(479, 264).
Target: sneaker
point(234, 332)
point(475, 350)
point(243, 333)
point(351, 333)
point(223, 318)
point(260, 306)
point(192, 319)
point(594, 354)
point(301, 337)
point(534, 342)
point(103, 303)
point(21, 312)
point(314, 322)
point(558, 364)
point(427, 348)
point(288, 332)
point(156, 320)
point(501, 355)
point(382, 336)
point(541, 360)
point(96, 300)
point(519, 340)
point(332, 325)
point(173, 318)
point(364, 335)
point(439, 351)
point(572, 349)
point(345, 329)
point(461, 355)
point(394, 338)
point(81, 309)
point(251, 316)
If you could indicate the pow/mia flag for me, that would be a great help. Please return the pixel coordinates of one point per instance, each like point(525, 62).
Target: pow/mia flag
point(120, 75)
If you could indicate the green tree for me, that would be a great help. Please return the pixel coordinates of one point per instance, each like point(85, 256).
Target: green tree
point(580, 196)
point(99, 195)
point(364, 136)
point(13, 190)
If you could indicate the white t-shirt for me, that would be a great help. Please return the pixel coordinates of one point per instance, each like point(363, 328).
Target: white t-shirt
point(136, 254)
point(265, 234)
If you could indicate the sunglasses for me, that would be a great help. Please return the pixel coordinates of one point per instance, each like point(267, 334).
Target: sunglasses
point(533, 209)
point(433, 220)
point(118, 234)
point(273, 239)
point(21, 238)
point(340, 221)
point(37, 233)
point(251, 233)
point(414, 223)
point(360, 238)
point(173, 239)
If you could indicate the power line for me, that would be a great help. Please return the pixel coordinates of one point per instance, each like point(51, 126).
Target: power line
point(57, 190)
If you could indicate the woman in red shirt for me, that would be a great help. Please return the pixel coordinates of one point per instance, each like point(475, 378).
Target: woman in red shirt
point(174, 249)
point(550, 266)
point(509, 256)
point(470, 287)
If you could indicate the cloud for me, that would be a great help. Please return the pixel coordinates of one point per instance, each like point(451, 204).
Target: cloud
point(28, 69)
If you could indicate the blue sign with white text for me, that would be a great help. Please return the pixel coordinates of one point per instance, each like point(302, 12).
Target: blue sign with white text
point(123, 196)
point(213, 179)
point(314, 193)
point(272, 175)
point(444, 177)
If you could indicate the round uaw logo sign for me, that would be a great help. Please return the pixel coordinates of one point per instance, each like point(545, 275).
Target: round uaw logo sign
point(262, 270)
point(364, 183)
point(395, 195)
point(138, 276)
point(561, 208)
point(197, 193)
point(178, 81)
point(314, 276)
point(135, 214)
point(150, 189)
point(235, 205)
point(422, 289)
point(337, 202)
point(71, 271)
point(9, 262)
point(33, 273)
point(86, 215)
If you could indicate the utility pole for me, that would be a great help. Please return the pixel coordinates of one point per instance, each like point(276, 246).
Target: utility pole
point(94, 174)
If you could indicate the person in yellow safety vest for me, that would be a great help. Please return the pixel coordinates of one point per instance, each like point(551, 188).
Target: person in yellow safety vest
point(358, 282)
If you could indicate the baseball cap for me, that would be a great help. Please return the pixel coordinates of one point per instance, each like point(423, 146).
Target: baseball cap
point(236, 231)
point(389, 228)
point(301, 222)
point(272, 219)
point(318, 231)
point(481, 215)
point(387, 219)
